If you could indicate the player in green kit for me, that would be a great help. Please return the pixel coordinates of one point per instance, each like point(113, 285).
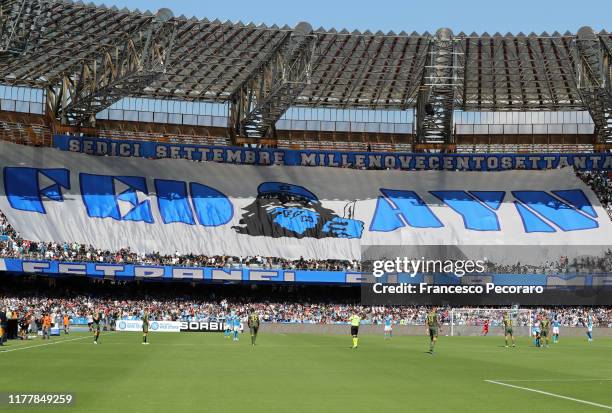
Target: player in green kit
point(253, 324)
point(545, 329)
point(97, 318)
point(507, 321)
point(355, 321)
point(433, 325)
point(145, 326)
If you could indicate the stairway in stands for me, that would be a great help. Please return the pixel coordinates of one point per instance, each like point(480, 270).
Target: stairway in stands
point(438, 121)
point(599, 102)
point(286, 88)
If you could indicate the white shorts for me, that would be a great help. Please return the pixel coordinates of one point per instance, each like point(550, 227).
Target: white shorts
point(555, 330)
point(388, 328)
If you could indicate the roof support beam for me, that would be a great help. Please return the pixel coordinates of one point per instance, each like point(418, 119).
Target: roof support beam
point(593, 69)
point(86, 54)
point(261, 100)
point(18, 25)
point(121, 69)
point(442, 78)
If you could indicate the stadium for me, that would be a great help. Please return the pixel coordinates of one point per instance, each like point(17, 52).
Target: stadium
point(206, 215)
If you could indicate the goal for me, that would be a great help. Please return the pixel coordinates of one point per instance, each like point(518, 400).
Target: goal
point(470, 321)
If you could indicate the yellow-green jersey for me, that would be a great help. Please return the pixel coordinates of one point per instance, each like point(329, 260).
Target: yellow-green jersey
point(96, 317)
point(253, 320)
point(545, 325)
point(432, 320)
point(507, 321)
point(355, 320)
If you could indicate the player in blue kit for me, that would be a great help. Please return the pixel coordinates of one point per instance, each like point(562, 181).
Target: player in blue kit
point(388, 331)
point(237, 324)
point(228, 324)
point(556, 327)
point(589, 326)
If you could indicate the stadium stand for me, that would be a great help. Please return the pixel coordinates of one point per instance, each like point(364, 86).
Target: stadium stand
point(167, 183)
point(345, 146)
point(25, 129)
point(225, 63)
point(156, 132)
point(525, 148)
point(278, 305)
point(518, 73)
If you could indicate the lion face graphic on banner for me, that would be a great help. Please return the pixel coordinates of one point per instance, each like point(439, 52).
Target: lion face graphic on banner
point(286, 210)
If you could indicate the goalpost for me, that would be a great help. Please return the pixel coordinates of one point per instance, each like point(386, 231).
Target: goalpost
point(469, 321)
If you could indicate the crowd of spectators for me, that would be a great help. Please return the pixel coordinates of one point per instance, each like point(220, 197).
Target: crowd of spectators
point(567, 316)
point(601, 263)
point(601, 183)
point(12, 245)
point(81, 307)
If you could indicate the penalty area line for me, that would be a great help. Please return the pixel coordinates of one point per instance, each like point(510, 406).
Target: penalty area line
point(603, 406)
point(46, 344)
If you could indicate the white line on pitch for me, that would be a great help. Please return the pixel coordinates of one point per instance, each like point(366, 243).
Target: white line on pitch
point(46, 344)
point(603, 406)
point(548, 380)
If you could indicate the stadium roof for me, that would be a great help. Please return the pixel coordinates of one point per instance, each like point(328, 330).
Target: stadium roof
point(213, 60)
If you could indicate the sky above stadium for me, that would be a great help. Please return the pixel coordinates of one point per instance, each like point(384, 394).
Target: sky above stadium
point(409, 15)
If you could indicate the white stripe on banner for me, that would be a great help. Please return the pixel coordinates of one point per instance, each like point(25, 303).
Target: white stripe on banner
point(170, 205)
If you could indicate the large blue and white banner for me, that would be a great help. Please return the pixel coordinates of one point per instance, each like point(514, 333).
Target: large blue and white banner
point(287, 157)
point(210, 208)
point(130, 272)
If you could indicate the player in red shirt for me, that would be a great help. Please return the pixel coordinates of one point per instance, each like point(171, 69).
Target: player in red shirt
point(485, 327)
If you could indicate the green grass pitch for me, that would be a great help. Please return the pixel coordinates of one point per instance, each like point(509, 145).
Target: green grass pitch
point(204, 372)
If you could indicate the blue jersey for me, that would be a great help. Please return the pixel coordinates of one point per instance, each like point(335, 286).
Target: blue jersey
point(388, 321)
point(590, 323)
point(237, 322)
point(229, 322)
point(556, 323)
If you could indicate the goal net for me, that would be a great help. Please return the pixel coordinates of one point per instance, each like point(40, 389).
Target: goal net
point(471, 321)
